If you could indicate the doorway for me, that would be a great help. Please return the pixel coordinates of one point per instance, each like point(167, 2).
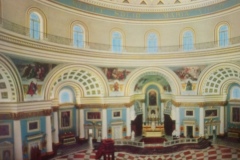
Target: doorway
point(190, 131)
point(117, 132)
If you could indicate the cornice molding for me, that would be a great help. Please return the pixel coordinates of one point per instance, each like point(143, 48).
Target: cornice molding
point(199, 104)
point(30, 106)
point(44, 51)
point(24, 115)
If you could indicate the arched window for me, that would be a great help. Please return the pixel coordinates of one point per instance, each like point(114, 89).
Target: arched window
point(35, 26)
point(187, 41)
point(223, 36)
point(78, 36)
point(152, 43)
point(116, 42)
point(235, 93)
point(66, 96)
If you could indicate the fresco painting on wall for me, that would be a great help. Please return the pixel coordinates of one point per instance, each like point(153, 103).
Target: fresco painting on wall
point(116, 87)
point(190, 72)
point(32, 88)
point(33, 75)
point(154, 79)
point(115, 73)
point(31, 69)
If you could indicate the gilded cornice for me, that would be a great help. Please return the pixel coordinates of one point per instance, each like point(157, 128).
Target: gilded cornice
point(199, 104)
point(234, 102)
point(102, 106)
point(23, 115)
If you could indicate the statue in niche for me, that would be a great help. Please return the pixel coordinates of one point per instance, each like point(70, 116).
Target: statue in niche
point(189, 86)
point(153, 114)
point(132, 136)
point(152, 98)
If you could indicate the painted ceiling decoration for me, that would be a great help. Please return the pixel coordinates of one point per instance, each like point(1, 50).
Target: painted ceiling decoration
point(152, 79)
point(32, 70)
point(119, 74)
point(150, 10)
point(188, 72)
point(32, 74)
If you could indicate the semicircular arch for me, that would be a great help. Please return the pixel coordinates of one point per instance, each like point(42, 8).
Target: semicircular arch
point(91, 81)
point(168, 74)
point(11, 87)
point(217, 78)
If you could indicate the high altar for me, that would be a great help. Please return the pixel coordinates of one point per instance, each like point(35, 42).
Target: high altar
point(153, 129)
point(153, 126)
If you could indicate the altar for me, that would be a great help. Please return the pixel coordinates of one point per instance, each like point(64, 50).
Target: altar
point(153, 134)
point(152, 130)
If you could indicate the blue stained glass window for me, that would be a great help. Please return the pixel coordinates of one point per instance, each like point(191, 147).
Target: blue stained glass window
point(78, 37)
point(34, 26)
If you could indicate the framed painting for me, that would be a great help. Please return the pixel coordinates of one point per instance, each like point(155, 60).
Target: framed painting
point(189, 113)
point(235, 114)
point(210, 113)
point(91, 115)
point(117, 114)
point(5, 130)
point(33, 126)
point(66, 119)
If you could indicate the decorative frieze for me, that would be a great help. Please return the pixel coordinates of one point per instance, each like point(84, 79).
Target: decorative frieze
point(23, 115)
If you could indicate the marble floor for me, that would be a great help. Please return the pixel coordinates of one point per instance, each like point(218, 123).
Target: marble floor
point(222, 149)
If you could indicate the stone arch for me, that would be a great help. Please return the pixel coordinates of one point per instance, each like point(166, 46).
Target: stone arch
point(168, 74)
point(217, 79)
point(86, 81)
point(10, 82)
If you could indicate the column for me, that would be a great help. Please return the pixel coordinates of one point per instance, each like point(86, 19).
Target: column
point(144, 112)
point(55, 124)
point(222, 120)
point(128, 122)
point(104, 123)
point(162, 112)
point(201, 121)
point(17, 133)
point(81, 125)
point(177, 121)
point(48, 134)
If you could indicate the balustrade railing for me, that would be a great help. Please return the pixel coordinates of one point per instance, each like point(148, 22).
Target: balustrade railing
point(122, 142)
point(22, 30)
point(181, 141)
